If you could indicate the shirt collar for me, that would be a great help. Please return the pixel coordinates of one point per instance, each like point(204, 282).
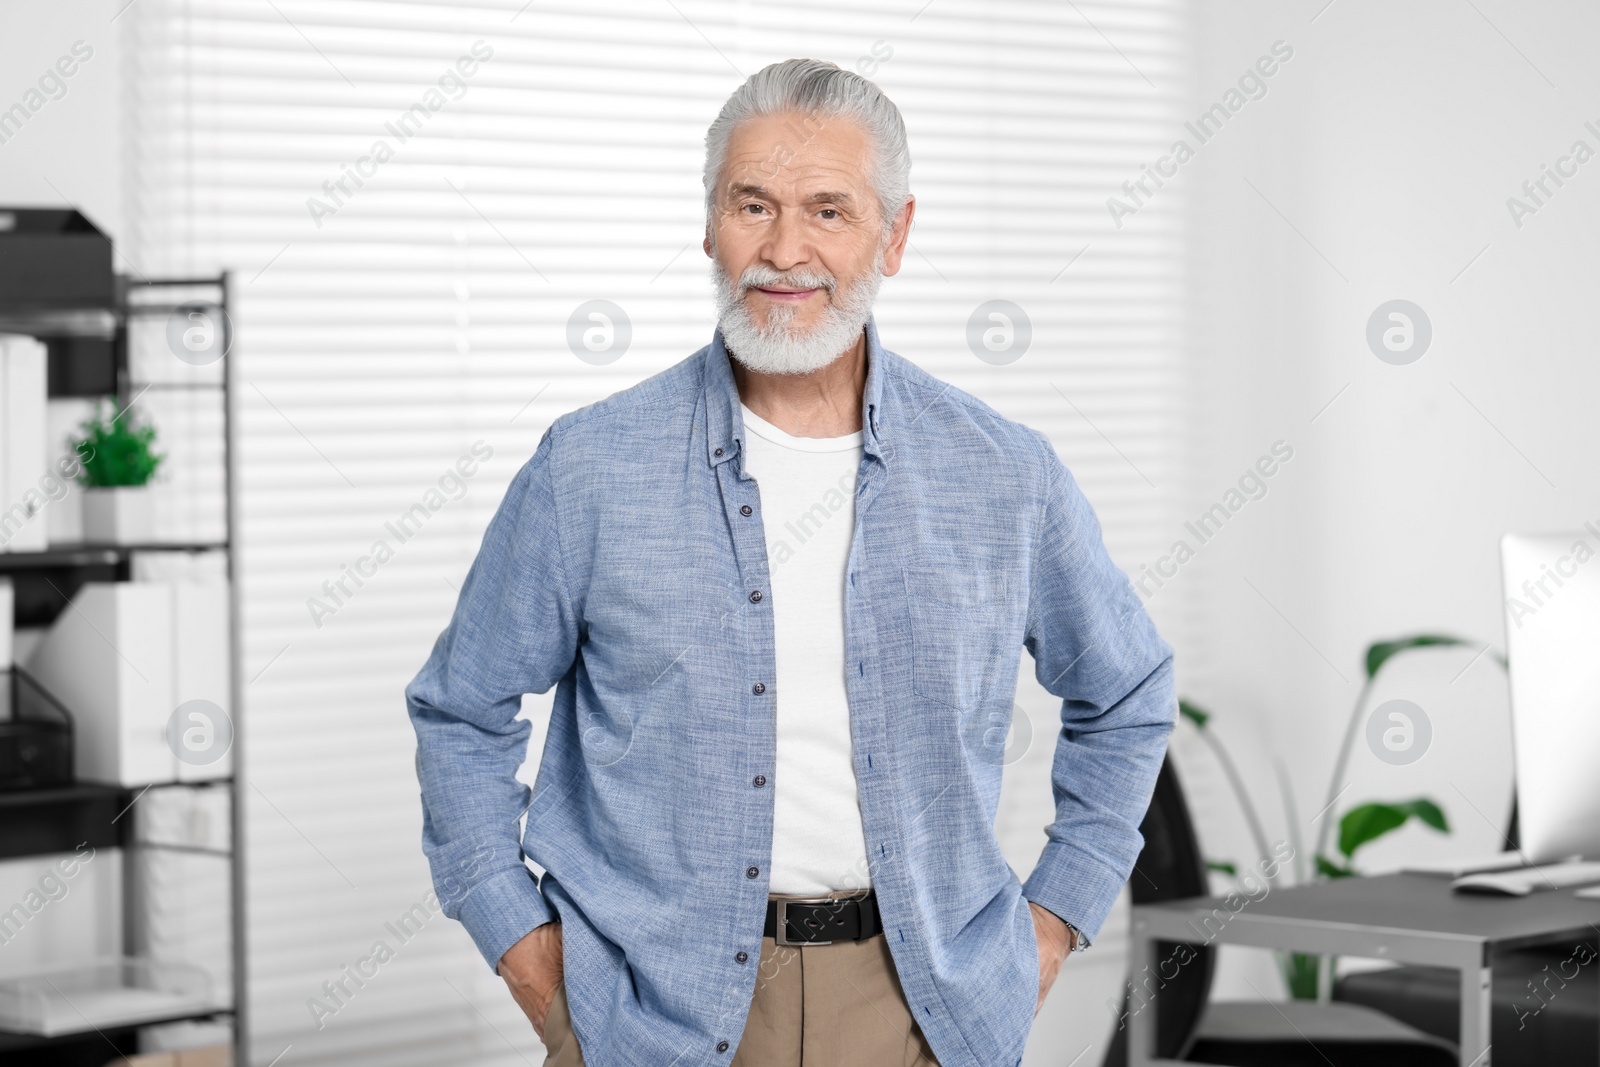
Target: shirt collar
point(725, 422)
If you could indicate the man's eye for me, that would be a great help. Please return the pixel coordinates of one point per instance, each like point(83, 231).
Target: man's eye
point(754, 209)
point(829, 213)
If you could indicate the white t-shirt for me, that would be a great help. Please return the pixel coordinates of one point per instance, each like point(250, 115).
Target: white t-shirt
point(807, 487)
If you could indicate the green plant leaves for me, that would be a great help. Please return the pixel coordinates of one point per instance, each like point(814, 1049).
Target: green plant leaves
point(1224, 866)
point(1328, 869)
point(115, 452)
point(1379, 652)
point(1193, 712)
point(1368, 822)
point(1300, 975)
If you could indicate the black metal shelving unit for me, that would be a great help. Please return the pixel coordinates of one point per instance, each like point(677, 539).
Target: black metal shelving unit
point(89, 355)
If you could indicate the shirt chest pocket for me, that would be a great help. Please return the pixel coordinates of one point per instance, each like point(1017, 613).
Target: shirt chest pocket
point(966, 630)
point(656, 618)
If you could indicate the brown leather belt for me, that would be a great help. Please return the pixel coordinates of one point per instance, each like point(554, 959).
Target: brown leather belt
point(823, 920)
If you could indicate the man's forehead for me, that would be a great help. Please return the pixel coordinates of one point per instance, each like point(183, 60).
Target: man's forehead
point(799, 137)
point(789, 152)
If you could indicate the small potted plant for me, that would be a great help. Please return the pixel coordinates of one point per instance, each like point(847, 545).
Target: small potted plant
point(118, 463)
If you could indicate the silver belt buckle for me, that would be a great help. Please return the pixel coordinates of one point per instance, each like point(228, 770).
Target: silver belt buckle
point(780, 935)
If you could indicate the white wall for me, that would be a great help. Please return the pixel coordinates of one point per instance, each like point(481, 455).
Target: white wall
point(1387, 148)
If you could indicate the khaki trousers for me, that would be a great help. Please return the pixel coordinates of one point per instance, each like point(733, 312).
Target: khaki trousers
point(837, 1005)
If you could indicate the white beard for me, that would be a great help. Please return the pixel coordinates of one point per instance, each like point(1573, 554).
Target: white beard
point(779, 348)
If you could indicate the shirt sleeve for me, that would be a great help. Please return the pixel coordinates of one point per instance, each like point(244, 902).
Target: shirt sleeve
point(1096, 648)
point(514, 631)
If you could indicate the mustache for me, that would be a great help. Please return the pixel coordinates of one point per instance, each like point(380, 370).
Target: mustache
point(761, 276)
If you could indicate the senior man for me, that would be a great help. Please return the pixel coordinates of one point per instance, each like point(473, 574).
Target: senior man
point(780, 589)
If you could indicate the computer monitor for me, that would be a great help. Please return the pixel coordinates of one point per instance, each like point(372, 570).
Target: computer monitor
point(1552, 588)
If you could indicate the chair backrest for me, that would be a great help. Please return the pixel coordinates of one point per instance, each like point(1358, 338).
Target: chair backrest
point(1170, 867)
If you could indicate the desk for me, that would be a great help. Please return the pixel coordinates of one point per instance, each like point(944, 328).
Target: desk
point(1405, 918)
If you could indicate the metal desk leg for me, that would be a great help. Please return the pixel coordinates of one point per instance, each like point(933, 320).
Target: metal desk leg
point(1141, 1008)
point(1476, 1003)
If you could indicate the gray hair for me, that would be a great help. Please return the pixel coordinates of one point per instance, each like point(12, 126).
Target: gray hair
point(818, 89)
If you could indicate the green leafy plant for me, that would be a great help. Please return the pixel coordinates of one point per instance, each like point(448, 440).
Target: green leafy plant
point(1378, 653)
point(1301, 974)
point(1367, 822)
point(115, 451)
point(1304, 974)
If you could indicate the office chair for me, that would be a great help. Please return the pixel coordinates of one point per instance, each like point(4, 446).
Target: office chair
point(1247, 1034)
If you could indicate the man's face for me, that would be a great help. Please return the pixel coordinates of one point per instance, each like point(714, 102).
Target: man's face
point(795, 195)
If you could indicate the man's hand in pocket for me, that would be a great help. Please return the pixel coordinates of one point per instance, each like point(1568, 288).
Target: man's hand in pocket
point(532, 970)
point(1055, 941)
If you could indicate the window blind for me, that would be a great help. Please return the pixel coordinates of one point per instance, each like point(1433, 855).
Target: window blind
point(398, 307)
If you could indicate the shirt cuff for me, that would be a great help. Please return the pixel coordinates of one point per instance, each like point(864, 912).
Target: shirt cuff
point(502, 911)
point(1074, 887)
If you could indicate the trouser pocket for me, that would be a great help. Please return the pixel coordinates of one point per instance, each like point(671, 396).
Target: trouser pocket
point(561, 1044)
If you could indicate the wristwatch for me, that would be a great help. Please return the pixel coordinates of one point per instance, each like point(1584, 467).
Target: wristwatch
point(1079, 943)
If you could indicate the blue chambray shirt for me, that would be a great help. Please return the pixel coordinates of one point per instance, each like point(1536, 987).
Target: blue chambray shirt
point(622, 569)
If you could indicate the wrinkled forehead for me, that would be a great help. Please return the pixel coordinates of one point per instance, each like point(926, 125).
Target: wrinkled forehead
point(797, 156)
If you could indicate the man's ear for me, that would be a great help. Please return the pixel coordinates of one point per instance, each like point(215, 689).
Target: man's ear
point(899, 234)
point(706, 244)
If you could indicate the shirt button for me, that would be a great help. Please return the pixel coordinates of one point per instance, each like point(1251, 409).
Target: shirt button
point(741, 956)
point(746, 509)
point(752, 872)
point(755, 596)
point(759, 688)
point(722, 1046)
point(718, 452)
point(759, 780)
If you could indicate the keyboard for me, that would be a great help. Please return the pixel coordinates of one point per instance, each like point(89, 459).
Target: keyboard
point(1525, 880)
